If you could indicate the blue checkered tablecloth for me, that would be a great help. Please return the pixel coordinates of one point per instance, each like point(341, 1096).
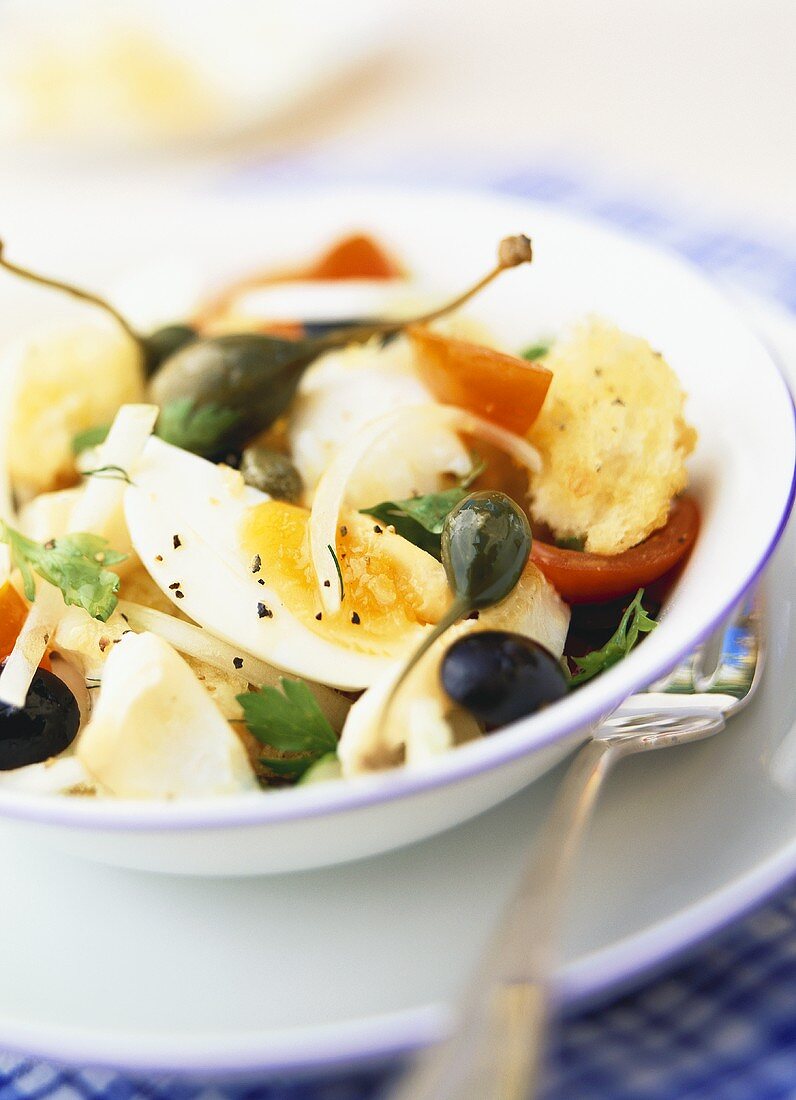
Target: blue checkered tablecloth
point(721, 1026)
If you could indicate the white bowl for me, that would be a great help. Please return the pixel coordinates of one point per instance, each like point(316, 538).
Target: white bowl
point(742, 474)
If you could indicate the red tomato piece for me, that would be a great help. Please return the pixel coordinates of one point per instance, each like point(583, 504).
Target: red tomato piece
point(581, 577)
point(502, 388)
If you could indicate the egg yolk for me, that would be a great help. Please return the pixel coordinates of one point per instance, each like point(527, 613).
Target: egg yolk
point(391, 587)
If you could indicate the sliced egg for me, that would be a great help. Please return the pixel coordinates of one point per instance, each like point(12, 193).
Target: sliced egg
point(155, 733)
point(239, 564)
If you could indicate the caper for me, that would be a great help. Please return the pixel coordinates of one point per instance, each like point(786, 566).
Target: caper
point(233, 387)
point(486, 540)
point(165, 341)
point(272, 473)
point(250, 375)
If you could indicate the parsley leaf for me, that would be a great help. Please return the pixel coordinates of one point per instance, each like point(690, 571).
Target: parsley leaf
point(109, 473)
point(73, 563)
point(420, 519)
point(193, 428)
point(336, 561)
point(635, 622)
point(290, 721)
point(535, 351)
point(573, 542)
point(91, 437)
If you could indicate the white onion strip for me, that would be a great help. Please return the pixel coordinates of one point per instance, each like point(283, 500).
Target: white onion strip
point(31, 644)
point(6, 493)
point(331, 490)
point(197, 642)
point(131, 428)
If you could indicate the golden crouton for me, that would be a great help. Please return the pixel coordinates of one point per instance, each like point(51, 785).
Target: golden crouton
point(612, 438)
point(63, 381)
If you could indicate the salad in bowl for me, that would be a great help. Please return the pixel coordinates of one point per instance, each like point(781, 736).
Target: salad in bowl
point(322, 526)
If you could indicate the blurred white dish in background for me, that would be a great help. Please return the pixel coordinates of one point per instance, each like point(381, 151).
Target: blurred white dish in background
point(143, 72)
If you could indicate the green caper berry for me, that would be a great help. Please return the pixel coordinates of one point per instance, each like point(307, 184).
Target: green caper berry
point(165, 341)
point(486, 541)
point(272, 473)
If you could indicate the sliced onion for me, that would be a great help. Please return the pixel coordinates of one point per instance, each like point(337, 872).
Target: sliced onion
point(200, 643)
point(331, 490)
point(6, 494)
point(131, 428)
point(31, 645)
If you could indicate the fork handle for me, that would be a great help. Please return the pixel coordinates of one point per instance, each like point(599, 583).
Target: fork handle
point(497, 1050)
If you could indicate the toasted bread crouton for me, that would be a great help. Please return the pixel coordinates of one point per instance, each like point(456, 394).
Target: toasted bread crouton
point(612, 437)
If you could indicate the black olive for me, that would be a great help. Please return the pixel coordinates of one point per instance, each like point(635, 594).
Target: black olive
point(322, 328)
point(272, 473)
point(165, 341)
point(500, 677)
point(316, 329)
point(45, 726)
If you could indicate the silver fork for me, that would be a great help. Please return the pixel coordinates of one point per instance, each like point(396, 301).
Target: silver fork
point(496, 1051)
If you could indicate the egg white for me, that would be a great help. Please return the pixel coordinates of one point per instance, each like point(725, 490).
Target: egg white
point(203, 505)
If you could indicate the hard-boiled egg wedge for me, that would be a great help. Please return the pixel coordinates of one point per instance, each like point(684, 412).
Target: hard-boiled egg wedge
point(422, 721)
point(391, 587)
point(155, 732)
point(238, 563)
point(349, 388)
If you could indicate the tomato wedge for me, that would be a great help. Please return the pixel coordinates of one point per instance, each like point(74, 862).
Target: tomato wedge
point(355, 257)
point(581, 577)
point(13, 612)
point(502, 388)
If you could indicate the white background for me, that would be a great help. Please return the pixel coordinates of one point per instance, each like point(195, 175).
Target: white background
point(690, 99)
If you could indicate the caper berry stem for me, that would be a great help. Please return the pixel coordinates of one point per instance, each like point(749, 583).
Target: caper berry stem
point(455, 612)
point(74, 292)
point(486, 542)
point(512, 252)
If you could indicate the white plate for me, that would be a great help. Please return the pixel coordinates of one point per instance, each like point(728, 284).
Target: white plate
point(251, 976)
point(742, 474)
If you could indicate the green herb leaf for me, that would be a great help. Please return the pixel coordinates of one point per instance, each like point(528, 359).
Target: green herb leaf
point(635, 622)
point(109, 473)
point(290, 721)
point(419, 519)
point(330, 548)
point(199, 429)
point(74, 563)
point(573, 542)
point(535, 351)
point(91, 437)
